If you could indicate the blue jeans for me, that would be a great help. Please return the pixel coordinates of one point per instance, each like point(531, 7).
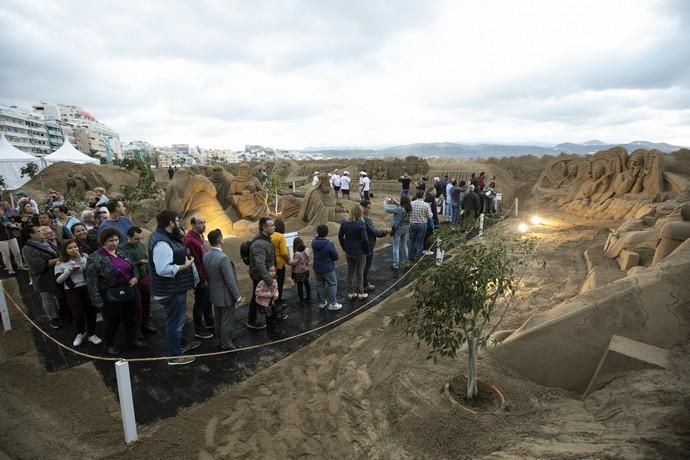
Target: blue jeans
point(417, 234)
point(400, 242)
point(404, 192)
point(456, 214)
point(326, 287)
point(176, 315)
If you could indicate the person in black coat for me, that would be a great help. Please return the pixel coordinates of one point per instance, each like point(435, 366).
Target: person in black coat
point(471, 205)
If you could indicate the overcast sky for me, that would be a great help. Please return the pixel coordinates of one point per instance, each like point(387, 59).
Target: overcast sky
point(292, 74)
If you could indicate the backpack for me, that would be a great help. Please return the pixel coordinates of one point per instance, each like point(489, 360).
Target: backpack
point(245, 248)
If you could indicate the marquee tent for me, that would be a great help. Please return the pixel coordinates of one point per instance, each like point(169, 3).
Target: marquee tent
point(11, 161)
point(69, 154)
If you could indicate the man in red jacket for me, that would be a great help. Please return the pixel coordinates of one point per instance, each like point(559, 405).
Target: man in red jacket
point(202, 313)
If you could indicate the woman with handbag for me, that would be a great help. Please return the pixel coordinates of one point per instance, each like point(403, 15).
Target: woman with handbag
point(70, 271)
point(111, 277)
point(400, 228)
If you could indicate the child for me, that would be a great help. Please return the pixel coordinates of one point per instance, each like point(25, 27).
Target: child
point(266, 297)
point(300, 269)
point(325, 256)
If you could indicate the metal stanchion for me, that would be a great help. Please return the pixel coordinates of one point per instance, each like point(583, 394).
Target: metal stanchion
point(4, 312)
point(516, 207)
point(481, 225)
point(439, 252)
point(124, 391)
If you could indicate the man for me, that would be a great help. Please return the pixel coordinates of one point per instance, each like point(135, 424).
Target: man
point(449, 199)
point(364, 185)
point(54, 200)
point(64, 220)
point(418, 218)
point(136, 251)
point(335, 182)
point(99, 217)
point(34, 205)
point(470, 206)
point(172, 275)
point(201, 313)
point(171, 172)
point(457, 194)
point(345, 185)
point(261, 258)
point(41, 258)
point(372, 234)
point(224, 291)
point(101, 198)
point(405, 187)
point(117, 219)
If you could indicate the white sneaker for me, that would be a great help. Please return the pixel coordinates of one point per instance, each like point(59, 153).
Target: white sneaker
point(99, 317)
point(94, 339)
point(78, 340)
point(352, 295)
point(429, 253)
point(323, 304)
point(335, 306)
point(362, 296)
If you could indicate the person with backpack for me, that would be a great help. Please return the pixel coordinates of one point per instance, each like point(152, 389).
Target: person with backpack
point(325, 255)
point(261, 257)
point(400, 228)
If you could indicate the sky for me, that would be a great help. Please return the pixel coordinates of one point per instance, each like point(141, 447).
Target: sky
point(293, 74)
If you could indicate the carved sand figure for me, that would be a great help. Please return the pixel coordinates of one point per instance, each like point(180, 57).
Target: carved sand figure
point(673, 234)
point(248, 196)
point(221, 180)
point(76, 184)
point(320, 205)
point(189, 194)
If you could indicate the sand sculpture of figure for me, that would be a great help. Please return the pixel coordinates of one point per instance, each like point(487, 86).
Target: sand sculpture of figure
point(221, 180)
point(76, 184)
point(189, 194)
point(248, 196)
point(558, 180)
point(320, 205)
point(595, 188)
point(673, 234)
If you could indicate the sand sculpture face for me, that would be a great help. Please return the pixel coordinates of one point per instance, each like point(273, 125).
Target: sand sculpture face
point(320, 205)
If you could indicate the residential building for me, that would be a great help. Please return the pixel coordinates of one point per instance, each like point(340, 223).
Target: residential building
point(25, 130)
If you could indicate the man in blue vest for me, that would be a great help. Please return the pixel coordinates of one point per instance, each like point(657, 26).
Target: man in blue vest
point(172, 275)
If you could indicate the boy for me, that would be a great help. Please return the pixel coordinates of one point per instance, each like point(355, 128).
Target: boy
point(325, 255)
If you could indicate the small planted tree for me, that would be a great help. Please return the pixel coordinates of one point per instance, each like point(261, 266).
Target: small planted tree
point(456, 302)
point(29, 170)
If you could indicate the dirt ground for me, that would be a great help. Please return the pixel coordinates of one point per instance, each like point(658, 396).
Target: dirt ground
point(364, 391)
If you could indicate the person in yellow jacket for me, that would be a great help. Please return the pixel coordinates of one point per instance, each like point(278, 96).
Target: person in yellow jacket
point(282, 257)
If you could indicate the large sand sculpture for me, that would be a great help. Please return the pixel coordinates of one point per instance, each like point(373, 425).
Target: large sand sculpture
point(636, 294)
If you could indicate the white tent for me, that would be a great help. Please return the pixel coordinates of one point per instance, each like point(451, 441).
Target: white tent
point(69, 154)
point(11, 161)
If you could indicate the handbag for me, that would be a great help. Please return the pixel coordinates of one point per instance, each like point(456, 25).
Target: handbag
point(119, 294)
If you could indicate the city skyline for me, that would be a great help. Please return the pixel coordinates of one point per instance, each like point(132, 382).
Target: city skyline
point(313, 74)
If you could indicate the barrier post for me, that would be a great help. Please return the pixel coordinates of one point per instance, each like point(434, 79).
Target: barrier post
point(4, 312)
point(124, 391)
point(293, 186)
point(481, 225)
point(439, 252)
point(516, 207)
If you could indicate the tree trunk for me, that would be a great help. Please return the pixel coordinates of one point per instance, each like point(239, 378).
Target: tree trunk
point(471, 368)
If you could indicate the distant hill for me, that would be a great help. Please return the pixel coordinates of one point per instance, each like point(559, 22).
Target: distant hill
point(450, 149)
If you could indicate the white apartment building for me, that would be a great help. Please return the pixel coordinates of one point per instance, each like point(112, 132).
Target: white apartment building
point(25, 130)
point(92, 136)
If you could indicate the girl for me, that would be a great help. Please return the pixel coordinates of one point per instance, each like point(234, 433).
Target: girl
point(300, 269)
point(266, 296)
point(70, 271)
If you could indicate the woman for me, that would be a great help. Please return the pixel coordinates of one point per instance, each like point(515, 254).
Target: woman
point(354, 241)
point(25, 219)
point(81, 237)
point(489, 197)
point(69, 272)
point(400, 227)
point(8, 243)
point(280, 247)
point(111, 278)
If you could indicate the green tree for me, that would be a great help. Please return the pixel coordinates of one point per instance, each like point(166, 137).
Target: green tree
point(30, 170)
point(146, 184)
point(456, 301)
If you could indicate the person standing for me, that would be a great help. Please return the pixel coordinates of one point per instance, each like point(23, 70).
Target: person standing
point(457, 194)
point(345, 182)
point(71, 271)
point(111, 278)
point(41, 257)
point(171, 173)
point(172, 275)
point(9, 244)
point(325, 255)
point(102, 198)
point(372, 234)
point(224, 291)
point(353, 239)
point(335, 182)
point(261, 258)
point(449, 199)
point(421, 212)
point(64, 221)
point(400, 228)
point(202, 313)
point(81, 237)
point(116, 219)
point(364, 186)
point(282, 255)
point(136, 251)
point(405, 184)
point(300, 270)
point(470, 206)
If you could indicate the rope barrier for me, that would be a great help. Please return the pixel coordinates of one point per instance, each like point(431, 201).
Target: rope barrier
point(224, 352)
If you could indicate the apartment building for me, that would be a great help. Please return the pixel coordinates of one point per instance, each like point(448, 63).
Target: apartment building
point(25, 130)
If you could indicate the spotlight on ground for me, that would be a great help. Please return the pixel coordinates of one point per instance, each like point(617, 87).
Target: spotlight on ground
point(522, 228)
point(535, 220)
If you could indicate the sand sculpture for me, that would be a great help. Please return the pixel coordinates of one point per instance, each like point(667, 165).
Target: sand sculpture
point(221, 180)
point(247, 196)
point(320, 205)
point(189, 194)
point(673, 234)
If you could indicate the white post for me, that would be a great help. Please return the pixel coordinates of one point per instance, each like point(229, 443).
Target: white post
point(293, 186)
point(6, 324)
point(481, 225)
point(516, 207)
point(124, 391)
point(276, 201)
point(439, 252)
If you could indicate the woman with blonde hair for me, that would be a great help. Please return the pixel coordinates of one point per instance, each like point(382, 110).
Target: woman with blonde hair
point(354, 241)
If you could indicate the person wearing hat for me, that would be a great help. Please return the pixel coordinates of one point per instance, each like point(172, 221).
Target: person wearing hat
point(364, 184)
point(22, 196)
point(345, 184)
point(315, 179)
point(335, 182)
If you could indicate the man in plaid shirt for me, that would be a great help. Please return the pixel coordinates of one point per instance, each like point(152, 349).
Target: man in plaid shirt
point(421, 211)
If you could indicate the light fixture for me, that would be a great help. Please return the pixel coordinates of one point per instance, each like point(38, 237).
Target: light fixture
point(522, 228)
point(535, 220)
